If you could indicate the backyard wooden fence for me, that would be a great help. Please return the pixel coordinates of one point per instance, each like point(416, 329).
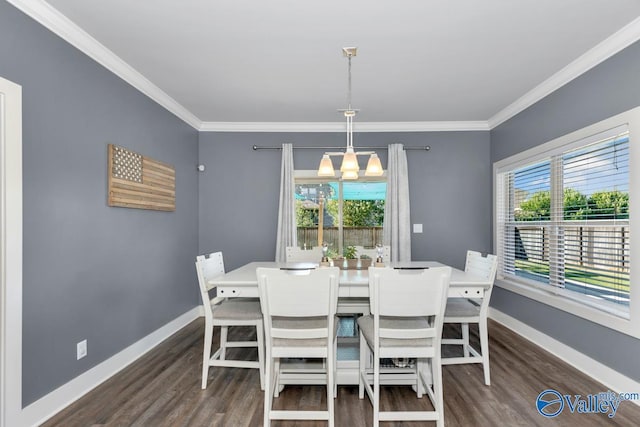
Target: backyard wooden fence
point(605, 248)
point(356, 236)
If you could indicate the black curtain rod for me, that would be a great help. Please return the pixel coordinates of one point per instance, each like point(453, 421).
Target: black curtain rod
point(256, 147)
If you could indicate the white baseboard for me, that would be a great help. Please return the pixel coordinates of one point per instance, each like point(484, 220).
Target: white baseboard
point(611, 379)
point(46, 407)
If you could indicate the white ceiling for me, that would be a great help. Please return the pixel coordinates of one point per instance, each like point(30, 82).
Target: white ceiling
point(281, 60)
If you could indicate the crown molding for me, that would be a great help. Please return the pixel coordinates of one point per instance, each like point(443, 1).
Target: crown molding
point(447, 126)
point(621, 39)
point(59, 24)
point(272, 127)
point(52, 19)
point(341, 127)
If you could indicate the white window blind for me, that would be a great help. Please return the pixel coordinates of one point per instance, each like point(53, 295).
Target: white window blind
point(596, 219)
point(563, 219)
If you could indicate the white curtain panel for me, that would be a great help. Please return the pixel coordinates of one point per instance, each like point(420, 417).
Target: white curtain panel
point(287, 233)
point(397, 220)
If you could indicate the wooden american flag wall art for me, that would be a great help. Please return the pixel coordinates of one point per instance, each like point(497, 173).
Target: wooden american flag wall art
point(138, 182)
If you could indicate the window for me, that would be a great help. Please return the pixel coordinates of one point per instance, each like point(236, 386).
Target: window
point(341, 213)
point(563, 220)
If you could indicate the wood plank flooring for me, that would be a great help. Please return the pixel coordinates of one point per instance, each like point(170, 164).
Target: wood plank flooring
point(163, 389)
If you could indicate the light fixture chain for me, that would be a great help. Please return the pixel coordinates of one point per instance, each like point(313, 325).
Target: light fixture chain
point(349, 131)
point(349, 86)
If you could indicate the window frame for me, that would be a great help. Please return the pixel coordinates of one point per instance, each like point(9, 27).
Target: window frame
point(311, 176)
point(607, 314)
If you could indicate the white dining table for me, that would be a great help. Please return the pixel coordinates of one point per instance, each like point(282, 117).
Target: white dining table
point(243, 282)
point(353, 298)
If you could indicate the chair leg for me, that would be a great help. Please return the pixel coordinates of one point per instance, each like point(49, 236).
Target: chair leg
point(206, 353)
point(376, 390)
point(260, 339)
point(364, 351)
point(465, 338)
point(276, 377)
point(419, 384)
point(268, 389)
point(484, 348)
point(436, 376)
point(330, 386)
point(335, 368)
point(223, 341)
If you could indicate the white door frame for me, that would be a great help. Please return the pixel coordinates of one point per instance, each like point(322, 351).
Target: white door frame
point(10, 253)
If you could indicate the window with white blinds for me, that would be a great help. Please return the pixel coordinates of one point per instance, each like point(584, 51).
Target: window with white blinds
point(562, 219)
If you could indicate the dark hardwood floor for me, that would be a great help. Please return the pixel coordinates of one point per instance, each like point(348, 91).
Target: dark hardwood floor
point(163, 389)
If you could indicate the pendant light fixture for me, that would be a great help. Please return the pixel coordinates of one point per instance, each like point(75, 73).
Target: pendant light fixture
point(350, 167)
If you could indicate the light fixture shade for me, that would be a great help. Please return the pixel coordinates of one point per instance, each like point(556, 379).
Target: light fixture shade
point(374, 167)
point(350, 175)
point(326, 167)
point(350, 161)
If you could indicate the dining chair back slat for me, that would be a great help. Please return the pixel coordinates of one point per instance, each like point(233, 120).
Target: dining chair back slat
point(296, 254)
point(300, 286)
point(478, 265)
point(409, 295)
point(208, 267)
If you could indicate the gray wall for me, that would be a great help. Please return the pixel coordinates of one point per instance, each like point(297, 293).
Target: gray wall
point(450, 190)
point(608, 89)
point(108, 275)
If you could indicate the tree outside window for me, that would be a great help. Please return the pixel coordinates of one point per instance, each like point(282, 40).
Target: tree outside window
point(359, 223)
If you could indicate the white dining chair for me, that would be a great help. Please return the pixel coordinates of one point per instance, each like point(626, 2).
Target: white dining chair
point(373, 253)
point(296, 254)
point(467, 310)
point(407, 310)
point(225, 313)
point(299, 310)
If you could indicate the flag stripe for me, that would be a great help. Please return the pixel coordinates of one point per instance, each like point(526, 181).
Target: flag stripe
point(151, 189)
point(154, 164)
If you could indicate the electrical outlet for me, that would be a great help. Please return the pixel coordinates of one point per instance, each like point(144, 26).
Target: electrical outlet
point(81, 349)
